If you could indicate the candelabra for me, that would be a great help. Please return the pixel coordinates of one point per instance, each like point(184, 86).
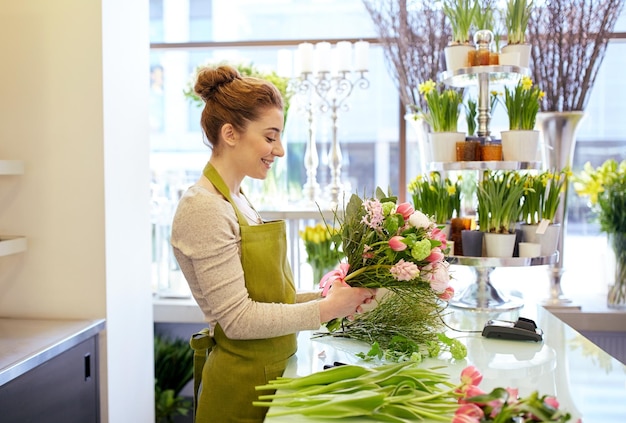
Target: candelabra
point(331, 89)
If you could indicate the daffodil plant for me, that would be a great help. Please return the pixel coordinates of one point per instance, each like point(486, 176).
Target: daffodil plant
point(522, 104)
point(444, 106)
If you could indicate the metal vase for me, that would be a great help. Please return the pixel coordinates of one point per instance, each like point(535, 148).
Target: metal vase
point(558, 140)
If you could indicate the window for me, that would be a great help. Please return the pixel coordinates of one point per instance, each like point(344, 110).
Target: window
point(188, 33)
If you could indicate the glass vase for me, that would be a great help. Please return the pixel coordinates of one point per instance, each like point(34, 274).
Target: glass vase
point(616, 298)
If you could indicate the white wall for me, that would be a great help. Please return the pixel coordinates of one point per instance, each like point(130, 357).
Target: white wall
point(74, 107)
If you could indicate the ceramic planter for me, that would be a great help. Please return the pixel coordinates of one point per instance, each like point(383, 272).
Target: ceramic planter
point(443, 145)
point(520, 145)
point(521, 55)
point(457, 56)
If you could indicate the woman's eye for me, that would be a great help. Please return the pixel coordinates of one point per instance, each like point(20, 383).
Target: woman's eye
point(270, 139)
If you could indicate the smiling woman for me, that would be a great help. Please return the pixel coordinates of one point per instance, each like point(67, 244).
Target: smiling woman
point(235, 264)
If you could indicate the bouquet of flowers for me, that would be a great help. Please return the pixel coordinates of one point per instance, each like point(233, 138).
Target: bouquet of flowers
point(436, 196)
point(321, 243)
point(400, 250)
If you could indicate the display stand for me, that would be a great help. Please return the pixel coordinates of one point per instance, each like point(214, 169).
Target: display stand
point(481, 294)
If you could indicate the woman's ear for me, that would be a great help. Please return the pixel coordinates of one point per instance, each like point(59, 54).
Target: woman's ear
point(229, 134)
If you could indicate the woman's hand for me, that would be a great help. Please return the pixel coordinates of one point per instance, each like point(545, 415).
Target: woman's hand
point(342, 301)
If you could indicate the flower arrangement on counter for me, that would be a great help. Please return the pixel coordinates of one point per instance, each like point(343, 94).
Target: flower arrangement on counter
point(404, 392)
point(322, 245)
point(400, 250)
point(606, 188)
point(542, 195)
point(444, 106)
point(436, 196)
point(522, 104)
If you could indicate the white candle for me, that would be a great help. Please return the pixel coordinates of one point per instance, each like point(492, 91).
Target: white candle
point(361, 56)
point(323, 56)
point(344, 56)
point(305, 51)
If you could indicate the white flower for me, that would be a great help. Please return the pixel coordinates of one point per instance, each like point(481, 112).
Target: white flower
point(420, 220)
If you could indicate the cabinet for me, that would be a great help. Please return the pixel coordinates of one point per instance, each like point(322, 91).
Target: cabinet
point(11, 244)
point(62, 389)
point(481, 294)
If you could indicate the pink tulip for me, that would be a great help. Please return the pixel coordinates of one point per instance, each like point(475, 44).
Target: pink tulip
point(437, 275)
point(471, 376)
point(396, 244)
point(470, 391)
point(552, 402)
point(447, 294)
point(435, 255)
point(463, 418)
point(471, 410)
point(405, 209)
point(439, 235)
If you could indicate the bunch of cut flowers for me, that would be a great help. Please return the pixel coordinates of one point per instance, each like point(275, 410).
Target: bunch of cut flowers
point(436, 196)
point(402, 392)
point(401, 251)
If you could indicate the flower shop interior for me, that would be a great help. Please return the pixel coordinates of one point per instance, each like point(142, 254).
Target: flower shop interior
point(97, 106)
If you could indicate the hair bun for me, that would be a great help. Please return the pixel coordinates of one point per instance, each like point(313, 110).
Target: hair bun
point(209, 80)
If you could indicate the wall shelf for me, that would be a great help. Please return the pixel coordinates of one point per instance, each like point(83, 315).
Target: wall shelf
point(12, 245)
point(11, 167)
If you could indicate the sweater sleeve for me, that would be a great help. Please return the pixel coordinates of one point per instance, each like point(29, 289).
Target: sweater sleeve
point(206, 243)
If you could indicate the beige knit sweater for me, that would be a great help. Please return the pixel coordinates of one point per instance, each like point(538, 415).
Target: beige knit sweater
point(206, 242)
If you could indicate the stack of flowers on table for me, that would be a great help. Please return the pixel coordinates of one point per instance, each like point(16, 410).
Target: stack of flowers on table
point(405, 392)
point(400, 251)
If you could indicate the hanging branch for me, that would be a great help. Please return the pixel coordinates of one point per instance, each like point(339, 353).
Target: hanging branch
point(414, 35)
point(569, 40)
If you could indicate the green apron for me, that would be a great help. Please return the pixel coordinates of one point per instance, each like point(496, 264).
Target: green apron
point(234, 367)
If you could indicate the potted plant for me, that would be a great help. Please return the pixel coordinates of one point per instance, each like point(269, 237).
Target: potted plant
point(521, 142)
point(605, 186)
point(444, 108)
point(173, 369)
point(499, 208)
point(436, 197)
point(461, 15)
point(516, 18)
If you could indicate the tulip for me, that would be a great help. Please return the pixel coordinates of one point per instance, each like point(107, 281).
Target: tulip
point(396, 243)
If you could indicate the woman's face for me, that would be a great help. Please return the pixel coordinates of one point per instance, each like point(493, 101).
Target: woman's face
point(260, 144)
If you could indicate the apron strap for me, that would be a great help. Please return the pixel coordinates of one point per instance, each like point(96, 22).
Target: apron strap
point(202, 343)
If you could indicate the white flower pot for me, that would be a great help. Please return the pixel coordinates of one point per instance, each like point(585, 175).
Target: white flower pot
point(457, 56)
point(520, 146)
point(443, 145)
point(499, 245)
point(523, 51)
point(549, 240)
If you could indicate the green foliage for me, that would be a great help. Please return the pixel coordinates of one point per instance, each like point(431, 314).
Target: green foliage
point(461, 14)
point(245, 69)
point(173, 369)
point(516, 18)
